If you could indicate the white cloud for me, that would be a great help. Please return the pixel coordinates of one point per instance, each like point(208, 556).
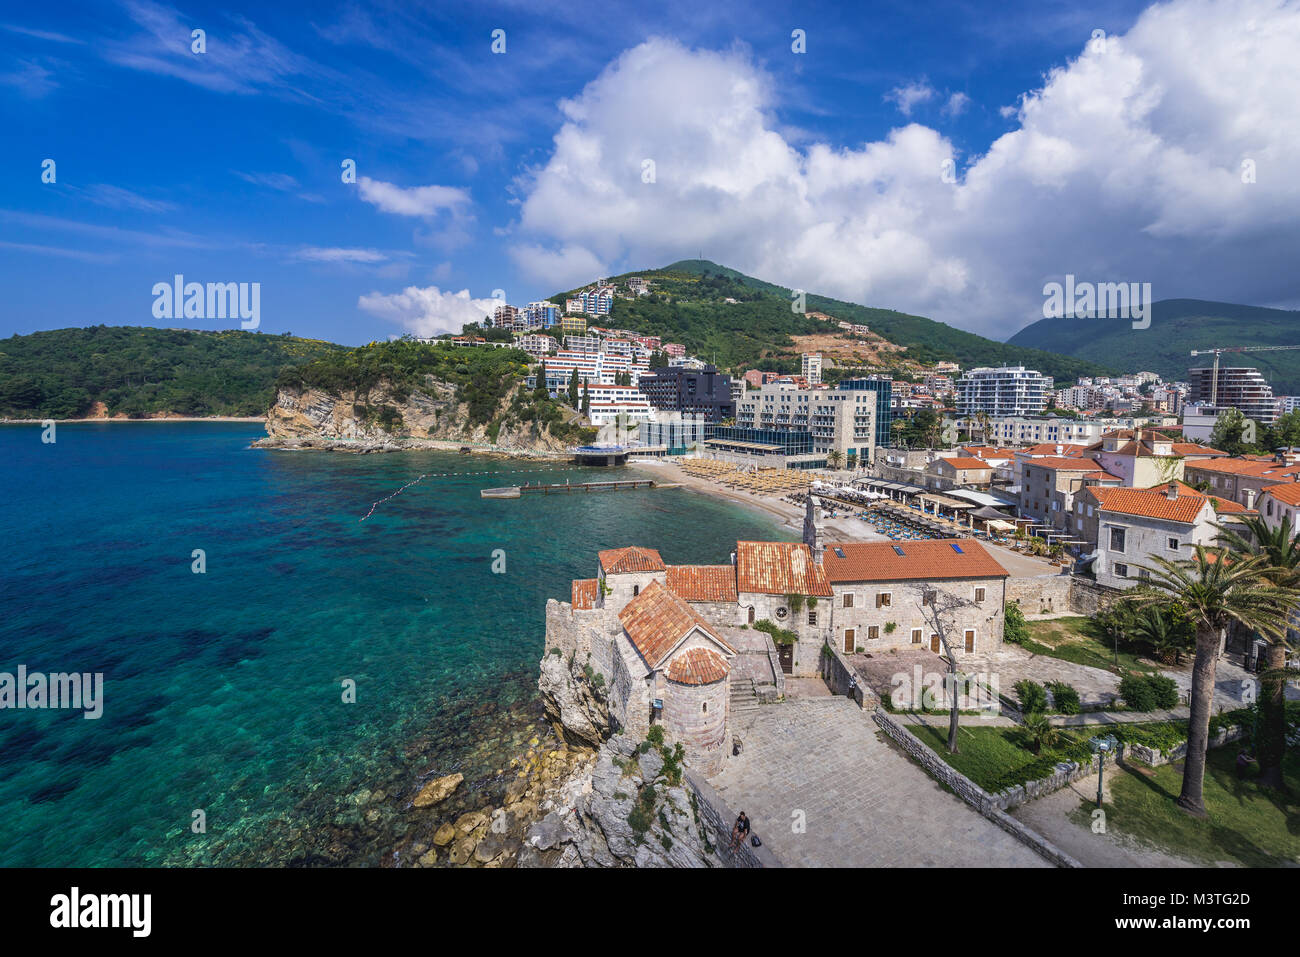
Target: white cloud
point(908, 95)
point(336, 254)
point(422, 201)
point(427, 311)
point(956, 105)
point(1124, 166)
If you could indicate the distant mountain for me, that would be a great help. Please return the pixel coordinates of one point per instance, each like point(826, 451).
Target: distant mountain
point(688, 305)
point(1177, 327)
point(132, 371)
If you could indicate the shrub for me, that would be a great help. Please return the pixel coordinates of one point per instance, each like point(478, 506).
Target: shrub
point(1033, 697)
point(1137, 693)
point(1014, 629)
point(1065, 697)
point(656, 735)
point(1165, 690)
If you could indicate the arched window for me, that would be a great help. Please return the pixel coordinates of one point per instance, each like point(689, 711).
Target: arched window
point(636, 590)
point(751, 616)
point(706, 707)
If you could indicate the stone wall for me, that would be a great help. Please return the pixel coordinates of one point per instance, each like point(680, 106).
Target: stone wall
point(907, 613)
point(719, 819)
point(1059, 594)
point(842, 679)
point(696, 715)
point(970, 792)
point(1154, 758)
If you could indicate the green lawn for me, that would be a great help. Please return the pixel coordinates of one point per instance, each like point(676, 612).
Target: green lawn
point(1075, 639)
point(997, 758)
point(1247, 825)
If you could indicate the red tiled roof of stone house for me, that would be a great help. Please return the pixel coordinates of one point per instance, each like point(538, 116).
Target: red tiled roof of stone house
point(1049, 448)
point(703, 582)
point(923, 560)
point(1288, 493)
point(963, 462)
point(633, 558)
point(779, 568)
point(698, 666)
point(1062, 463)
point(1155, 502)
point(657, 620)
point(585, 593)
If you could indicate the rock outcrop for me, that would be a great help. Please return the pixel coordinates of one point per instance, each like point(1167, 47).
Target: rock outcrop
point(385, 420)
point(572, 702)
point(630, 809)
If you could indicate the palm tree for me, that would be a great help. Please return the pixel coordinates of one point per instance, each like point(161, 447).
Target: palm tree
point(1041, 732)
point(1164, 631)
point(1282, 551)
point(1216, 591)
point(834, 458)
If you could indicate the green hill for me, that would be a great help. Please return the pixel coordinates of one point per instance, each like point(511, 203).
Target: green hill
point(1177, 327)
point(687, 305)
point(139, 371)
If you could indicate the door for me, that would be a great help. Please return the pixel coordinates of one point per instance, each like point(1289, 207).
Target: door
point(934, 644)
point(970, 639)
point(785, 654)
point(850, 640)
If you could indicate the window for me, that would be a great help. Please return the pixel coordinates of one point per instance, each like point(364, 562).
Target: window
point(1173, 544)
point(1117, 539)
point(979, 594)
point(848, 599)
point(812, 617)
point(1269, 509)
point(873, 631)
point(1090, 511)
point(883, 599)
point(636, 590)
point(1144, 575)
point(916, 636)
point(1121, 570)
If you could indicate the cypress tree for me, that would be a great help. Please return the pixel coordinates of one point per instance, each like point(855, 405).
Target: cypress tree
point(573, 388)
point(586, 397)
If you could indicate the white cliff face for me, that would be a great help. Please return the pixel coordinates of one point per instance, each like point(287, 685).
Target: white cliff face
point(570, 700)
point(626, 812)
point(317, 418)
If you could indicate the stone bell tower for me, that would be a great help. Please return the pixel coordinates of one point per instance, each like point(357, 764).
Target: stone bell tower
point(814, 532)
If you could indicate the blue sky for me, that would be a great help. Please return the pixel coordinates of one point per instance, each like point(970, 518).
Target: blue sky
point(225, 166)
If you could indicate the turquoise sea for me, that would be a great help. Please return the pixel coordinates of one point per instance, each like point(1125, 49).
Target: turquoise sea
point(223, 691)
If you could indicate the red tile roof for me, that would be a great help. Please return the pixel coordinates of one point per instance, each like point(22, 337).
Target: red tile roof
point(779, 568)
point(1195, 448)
point(1256, 468)
point(1049, 448)
point(698, 666)
point(656, 620)
point(1288, 493)
point(1061, 463)
point(962, 462)
point(936, 559)
point(618, 561)
point(585, 593)
point(1151, 503)
point(703, 582)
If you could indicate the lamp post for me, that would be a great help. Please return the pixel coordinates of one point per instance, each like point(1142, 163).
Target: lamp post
point(1102, 745)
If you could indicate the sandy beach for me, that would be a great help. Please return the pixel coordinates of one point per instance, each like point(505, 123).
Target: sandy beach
point(790, 517)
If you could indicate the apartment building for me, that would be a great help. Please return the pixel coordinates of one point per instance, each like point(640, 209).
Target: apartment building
point(811, 366)
point(1238, 387)
point(1002, 391)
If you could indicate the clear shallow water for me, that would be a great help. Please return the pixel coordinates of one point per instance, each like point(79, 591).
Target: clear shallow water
point(223, 691)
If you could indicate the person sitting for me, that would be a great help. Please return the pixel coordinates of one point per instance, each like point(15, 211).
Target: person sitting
point(740, 831)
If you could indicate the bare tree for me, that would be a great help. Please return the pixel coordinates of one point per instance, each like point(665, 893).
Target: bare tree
point(940, 611)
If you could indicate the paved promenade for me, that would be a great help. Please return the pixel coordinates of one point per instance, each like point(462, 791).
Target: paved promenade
point(864, 802)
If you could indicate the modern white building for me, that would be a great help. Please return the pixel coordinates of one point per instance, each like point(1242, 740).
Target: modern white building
point(1006, 390)
point(812, 367)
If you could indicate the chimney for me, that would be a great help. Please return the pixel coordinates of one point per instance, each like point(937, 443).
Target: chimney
point(1249, 495)
point(1060, 450)
point(1171, 492)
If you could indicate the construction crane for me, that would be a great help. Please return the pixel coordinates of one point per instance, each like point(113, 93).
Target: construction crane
point(1214, 376)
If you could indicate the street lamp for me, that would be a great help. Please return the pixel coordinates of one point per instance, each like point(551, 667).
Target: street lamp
point(1102, 745)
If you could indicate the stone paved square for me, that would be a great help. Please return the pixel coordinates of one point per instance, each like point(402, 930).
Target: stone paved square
point(866, 803)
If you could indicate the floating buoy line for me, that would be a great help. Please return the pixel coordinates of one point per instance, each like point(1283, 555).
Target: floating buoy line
point(421, 478)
